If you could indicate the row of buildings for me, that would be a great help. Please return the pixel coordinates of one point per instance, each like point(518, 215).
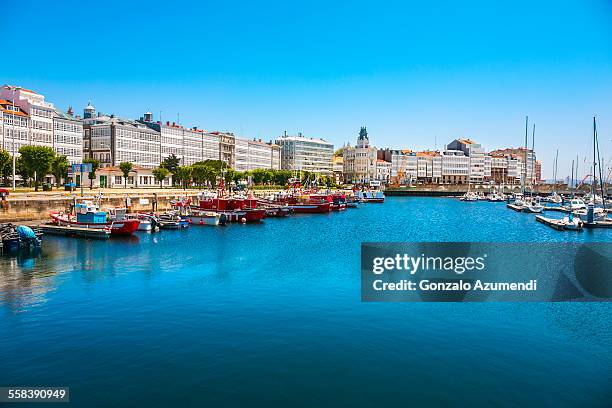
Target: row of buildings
point(462, 161)
point(27, 118)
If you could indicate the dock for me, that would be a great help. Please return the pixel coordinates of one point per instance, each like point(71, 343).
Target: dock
point(599, 224)
point(551, 222)
point(97, 233)
point(515, 207)
point(558, 209)
point(554, 223)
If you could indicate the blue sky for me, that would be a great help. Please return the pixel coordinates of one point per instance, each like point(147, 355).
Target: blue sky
point(413, 72)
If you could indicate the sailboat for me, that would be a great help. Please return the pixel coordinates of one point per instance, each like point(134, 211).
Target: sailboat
point(520, 203)
point(533, 204)
point(593, 199)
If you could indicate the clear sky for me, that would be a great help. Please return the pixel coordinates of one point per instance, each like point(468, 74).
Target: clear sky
point(414, 72)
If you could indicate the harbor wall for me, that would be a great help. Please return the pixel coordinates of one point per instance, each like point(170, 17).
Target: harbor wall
point(38, 207)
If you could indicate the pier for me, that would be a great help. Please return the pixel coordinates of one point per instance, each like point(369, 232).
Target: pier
point(97, 233)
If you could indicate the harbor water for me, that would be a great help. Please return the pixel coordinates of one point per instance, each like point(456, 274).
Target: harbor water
point(270, 314)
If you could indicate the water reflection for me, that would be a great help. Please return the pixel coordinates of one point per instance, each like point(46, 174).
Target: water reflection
point(25, 278)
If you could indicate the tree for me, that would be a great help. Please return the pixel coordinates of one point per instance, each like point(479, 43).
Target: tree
point(6, 163)
point(22, 170)
point(37, 160)
point(95, 165)
point(259, 176)
point(171, 163)
point(183, 175)
point(230, 175)
point(59, 168)
point(126, 168)
point(160, 174)
point(200, 173)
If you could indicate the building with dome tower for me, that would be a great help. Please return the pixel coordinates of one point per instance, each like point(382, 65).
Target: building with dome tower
point(360, 161)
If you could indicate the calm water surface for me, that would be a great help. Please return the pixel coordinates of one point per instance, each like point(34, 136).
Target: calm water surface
point(270, 314)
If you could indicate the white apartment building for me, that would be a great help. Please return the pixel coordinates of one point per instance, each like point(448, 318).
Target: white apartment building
point(383, 171)
point(45, 125)
point(255, 154)
point(14, 126)
point(302, 153)
point(476, 154)
point(360, 161)
point(189, 145)
point(68, 136)
point(112, 140)
point(412, 167)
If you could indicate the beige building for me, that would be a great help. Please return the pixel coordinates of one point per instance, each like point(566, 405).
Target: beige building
point(338, 168)
point(360, 161)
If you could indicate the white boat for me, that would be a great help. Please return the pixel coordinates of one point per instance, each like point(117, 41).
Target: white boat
point(570, 222)
point(593, 198)
point(495, 197)
point(469, 196)
point(554, 198)
point(599, 214)
point(576, 204)
point(533, 207)
point(204, 218)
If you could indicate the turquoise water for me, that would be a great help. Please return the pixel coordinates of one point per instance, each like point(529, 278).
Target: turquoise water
point(270, 314)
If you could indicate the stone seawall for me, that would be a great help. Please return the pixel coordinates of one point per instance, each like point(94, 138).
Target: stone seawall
point(27, 208)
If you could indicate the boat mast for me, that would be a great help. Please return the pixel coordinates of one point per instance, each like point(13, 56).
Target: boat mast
point(594, 171)
point(555, 169)
point(532, 160)
point(525, 158)
point(572, 180)
point(601, 180)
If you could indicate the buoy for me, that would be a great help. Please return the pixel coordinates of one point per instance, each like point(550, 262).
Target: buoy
point(243, 220)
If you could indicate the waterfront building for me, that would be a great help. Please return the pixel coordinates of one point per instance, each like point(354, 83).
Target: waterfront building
point(360, 161)
point(14, 125)
point(302, 153)
point(113, 140)
point(255, 154)
point(383, 171)
point(189, 145)
point(476, 155)
point(409, 167)
point(37, 122)
point(68, 136)
point(139, 177)
point(338, 169)
point(227, 148)
point(521, 154)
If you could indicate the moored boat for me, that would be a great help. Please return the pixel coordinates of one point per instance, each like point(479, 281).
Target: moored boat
point(88, 215)
point(199, 217)
point(233, 209)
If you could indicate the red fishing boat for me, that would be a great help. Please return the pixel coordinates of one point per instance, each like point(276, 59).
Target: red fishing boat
point(338, 202)
point(234, 209)
point(310, 204)
point(88, 215)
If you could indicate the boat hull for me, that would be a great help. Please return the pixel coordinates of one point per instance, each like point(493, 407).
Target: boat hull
point(311, 208)
point(124, 227)
point(212, 220)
